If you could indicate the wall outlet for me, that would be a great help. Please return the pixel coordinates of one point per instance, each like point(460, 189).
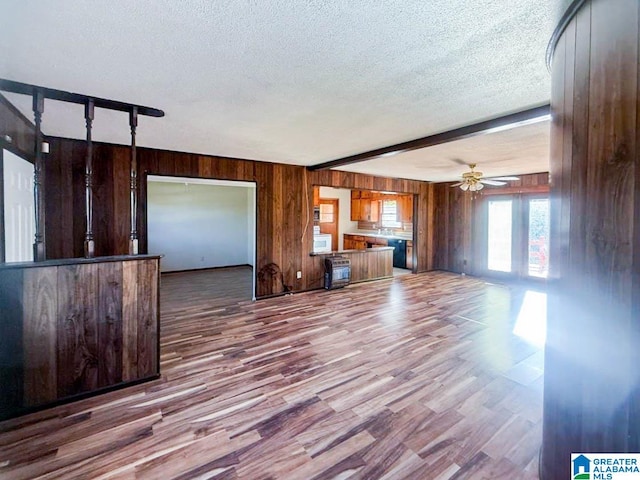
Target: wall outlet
point(298, 274)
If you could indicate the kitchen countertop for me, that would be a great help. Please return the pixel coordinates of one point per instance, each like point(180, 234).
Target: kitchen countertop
point(340, 252)
point(399, 236)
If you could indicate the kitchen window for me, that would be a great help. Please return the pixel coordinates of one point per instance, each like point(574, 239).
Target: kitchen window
point(390, 214)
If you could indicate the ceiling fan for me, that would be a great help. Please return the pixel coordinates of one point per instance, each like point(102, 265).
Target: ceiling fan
point(474, 182)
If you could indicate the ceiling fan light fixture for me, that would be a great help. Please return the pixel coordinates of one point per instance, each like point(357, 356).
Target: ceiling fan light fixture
point(464, 187)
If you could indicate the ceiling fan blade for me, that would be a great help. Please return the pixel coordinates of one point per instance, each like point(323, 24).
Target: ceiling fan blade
point(459, 161)
point(493, 182)
point(508, 179)
point(457, 184)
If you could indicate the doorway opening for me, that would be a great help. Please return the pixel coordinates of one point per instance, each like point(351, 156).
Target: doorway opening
point(206, 231)
point(330, 219)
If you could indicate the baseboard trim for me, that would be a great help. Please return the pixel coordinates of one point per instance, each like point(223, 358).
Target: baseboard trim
point(205, 269)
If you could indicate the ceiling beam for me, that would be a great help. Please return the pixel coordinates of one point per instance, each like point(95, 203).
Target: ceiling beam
point(505, 122)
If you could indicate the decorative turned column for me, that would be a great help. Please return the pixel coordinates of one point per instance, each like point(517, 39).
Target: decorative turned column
point(592, 365)
point(133, 236)
point(89, 243)
point(39, 246)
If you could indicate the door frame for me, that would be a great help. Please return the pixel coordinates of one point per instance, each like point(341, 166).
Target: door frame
point(252, 185)
point(519, 235)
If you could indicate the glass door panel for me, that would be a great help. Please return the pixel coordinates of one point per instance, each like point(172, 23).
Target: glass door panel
point(538, 238)
point(499, 238)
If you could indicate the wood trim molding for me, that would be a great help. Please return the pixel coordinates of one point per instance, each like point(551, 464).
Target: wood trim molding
point(524, 117)
point(568, 15)
point(515, 190)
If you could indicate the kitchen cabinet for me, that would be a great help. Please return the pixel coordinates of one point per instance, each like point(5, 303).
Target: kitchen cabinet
point(355, 209)
point(404, 209)
point(409, 254)
point(354, 242)
point(369, 210)
point(360, 242)
point(364, 208)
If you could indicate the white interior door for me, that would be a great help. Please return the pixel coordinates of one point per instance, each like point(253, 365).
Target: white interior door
point(19, 216)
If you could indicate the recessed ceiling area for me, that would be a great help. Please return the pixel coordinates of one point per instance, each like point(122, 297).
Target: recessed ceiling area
point(290, 82)
point(518, 151)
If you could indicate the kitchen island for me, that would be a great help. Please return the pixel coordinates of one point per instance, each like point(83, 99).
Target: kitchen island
point(366, 264)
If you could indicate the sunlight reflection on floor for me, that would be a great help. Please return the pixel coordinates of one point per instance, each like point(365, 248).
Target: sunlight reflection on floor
point(531, 324)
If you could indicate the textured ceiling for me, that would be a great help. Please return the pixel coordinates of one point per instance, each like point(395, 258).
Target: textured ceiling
point(294, 82)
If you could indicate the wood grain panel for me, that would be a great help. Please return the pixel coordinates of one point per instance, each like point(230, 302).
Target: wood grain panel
point(39, 335)
point(110, 328)
point(129, 321)
point(11, 345)
point(594, 191)
point(147, 326)
point(77, 329)
point(64, 325)
point(366, 265)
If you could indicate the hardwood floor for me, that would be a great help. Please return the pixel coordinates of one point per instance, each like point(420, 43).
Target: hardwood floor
point(398, 378)
point(209, 287)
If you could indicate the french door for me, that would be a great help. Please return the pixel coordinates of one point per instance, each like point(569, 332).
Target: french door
point(516, 235)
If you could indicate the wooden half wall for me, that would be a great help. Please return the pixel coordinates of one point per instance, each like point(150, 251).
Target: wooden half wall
point(284, 204)
point(74, 327)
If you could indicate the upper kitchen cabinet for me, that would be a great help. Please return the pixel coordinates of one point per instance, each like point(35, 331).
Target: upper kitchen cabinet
point(363, 207)
point(404, 208)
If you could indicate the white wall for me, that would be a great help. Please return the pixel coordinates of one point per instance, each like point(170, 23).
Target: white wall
point(345, 225)
point(200, 225)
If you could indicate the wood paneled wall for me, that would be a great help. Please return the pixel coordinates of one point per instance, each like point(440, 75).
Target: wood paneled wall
point(592, 386)
point(18, 128)
point(74, 327)
point(457, 245)
point(284, 204)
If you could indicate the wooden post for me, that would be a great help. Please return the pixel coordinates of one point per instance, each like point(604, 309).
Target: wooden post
point(39, 247)
point(133, 237)
point(89, 243)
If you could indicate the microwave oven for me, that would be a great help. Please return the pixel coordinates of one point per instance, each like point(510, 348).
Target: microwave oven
point(322, 243)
